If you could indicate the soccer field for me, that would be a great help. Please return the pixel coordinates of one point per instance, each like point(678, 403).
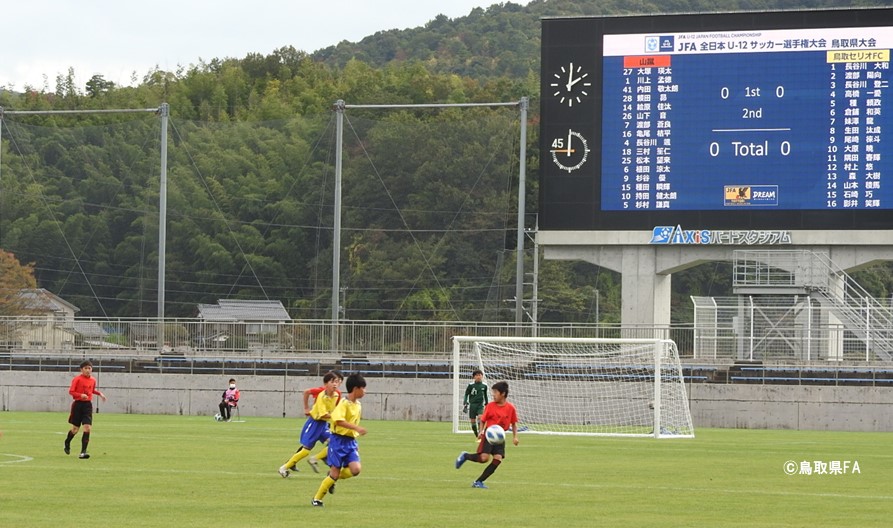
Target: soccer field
point(195, 472)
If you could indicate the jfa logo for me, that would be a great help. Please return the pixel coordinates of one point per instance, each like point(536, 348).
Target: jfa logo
point(652, 44)
point(667, 43)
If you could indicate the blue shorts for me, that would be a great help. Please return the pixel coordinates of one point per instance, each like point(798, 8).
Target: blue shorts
point(342, 451)
point(314, 431)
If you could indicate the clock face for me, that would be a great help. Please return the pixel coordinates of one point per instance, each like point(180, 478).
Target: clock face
point(571, 84)
point(569, 152)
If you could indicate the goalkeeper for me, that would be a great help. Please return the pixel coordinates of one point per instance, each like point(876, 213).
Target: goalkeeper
point(475, 399)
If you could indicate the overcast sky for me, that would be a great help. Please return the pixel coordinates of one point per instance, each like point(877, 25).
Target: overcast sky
point(115, 38)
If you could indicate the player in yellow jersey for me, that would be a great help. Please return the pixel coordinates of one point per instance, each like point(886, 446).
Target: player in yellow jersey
point(316, 428)
point(343, 457)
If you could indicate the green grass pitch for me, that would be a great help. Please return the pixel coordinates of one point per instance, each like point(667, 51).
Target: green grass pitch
point(193, 471)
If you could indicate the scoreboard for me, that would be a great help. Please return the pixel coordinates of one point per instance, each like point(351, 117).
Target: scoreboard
point(775, 120)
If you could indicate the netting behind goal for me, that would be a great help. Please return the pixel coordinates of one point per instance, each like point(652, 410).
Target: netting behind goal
point(618, 387)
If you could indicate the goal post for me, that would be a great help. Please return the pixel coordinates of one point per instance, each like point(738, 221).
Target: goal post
point(580, 386)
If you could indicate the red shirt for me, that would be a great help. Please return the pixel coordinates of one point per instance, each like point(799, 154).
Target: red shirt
point(316, 390)
point(82, 385)
point(504, 416)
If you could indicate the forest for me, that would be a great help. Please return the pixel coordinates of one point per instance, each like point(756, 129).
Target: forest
point(429, 195)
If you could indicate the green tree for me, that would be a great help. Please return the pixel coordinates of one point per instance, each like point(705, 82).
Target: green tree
point(98, 86)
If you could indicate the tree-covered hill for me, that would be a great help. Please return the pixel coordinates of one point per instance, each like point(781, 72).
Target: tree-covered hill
point(503, 40)
point(429, 196)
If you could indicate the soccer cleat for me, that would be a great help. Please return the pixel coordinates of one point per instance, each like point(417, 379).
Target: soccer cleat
point(283, 471)
point(461, 459)
point(67, 449)
point(314, 464)
point(479, 484)
point(84, 455)
point(314, 502)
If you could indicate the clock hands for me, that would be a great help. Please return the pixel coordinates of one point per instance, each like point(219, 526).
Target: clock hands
point(571, 152)
point(569, 94)
point(570, 77)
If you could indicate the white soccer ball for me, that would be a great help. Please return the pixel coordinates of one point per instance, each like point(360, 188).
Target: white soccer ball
point(495, 435)
point(217, 417)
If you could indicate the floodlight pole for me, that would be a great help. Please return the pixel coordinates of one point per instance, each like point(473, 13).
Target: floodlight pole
point(336, 236)
point(522, 184)
point(336, 240)
point(164, 112)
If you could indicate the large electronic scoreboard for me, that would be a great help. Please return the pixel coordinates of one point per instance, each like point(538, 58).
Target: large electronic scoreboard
point(774, 120)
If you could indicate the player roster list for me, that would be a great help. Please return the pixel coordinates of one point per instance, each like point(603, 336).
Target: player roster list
point(780, 119)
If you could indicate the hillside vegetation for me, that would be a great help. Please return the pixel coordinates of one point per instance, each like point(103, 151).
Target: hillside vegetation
point(430, 196)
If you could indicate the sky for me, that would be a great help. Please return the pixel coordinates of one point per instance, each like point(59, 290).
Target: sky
point(115, 38)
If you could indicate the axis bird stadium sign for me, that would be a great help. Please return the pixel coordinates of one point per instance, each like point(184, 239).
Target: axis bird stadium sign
point(675, 235)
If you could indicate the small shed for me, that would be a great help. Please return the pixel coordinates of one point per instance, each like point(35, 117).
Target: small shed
point(242, 324)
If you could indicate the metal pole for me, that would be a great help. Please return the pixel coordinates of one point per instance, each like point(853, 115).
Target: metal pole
point(432, 105)
point(1, 170)
point(522, 184)
point(164, 112)
point(162, 224)
point(519, 283)
point(336, 237)
point(596, 309)
point(751, 336)
point(536, 279)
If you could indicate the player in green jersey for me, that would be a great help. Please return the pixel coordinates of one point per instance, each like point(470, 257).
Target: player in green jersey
point(475, 399)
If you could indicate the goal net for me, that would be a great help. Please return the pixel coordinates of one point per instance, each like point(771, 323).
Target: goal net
point(616, 387)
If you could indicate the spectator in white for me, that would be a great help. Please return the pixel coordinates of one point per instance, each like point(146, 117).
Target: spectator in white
point(230, 400)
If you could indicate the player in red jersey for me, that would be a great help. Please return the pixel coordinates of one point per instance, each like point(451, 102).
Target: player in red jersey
point(498, 412)
point(82, 389)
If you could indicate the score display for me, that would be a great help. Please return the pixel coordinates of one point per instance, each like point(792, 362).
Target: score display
point(781, 120)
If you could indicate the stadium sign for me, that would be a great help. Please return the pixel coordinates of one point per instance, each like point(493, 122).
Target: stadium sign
point(670, 235)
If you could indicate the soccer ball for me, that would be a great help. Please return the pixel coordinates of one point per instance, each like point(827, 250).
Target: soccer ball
point(217, 417)
point(495, 435)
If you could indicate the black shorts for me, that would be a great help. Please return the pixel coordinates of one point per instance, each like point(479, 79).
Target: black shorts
point(493, 449)
point(81, 413)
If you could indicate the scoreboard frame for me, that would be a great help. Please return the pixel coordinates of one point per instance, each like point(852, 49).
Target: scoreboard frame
point(572, 103)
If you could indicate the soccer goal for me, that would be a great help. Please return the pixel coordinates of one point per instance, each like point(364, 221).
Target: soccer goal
point(580, 386)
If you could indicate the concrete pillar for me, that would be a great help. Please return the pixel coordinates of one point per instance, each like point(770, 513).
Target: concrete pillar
point(835, 340)
point(645, 294)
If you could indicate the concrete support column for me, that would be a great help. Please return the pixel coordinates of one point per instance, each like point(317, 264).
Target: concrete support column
point(645, 293)
point(835, 340)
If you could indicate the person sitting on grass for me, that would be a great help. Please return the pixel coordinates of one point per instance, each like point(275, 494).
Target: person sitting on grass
point(230, 401)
